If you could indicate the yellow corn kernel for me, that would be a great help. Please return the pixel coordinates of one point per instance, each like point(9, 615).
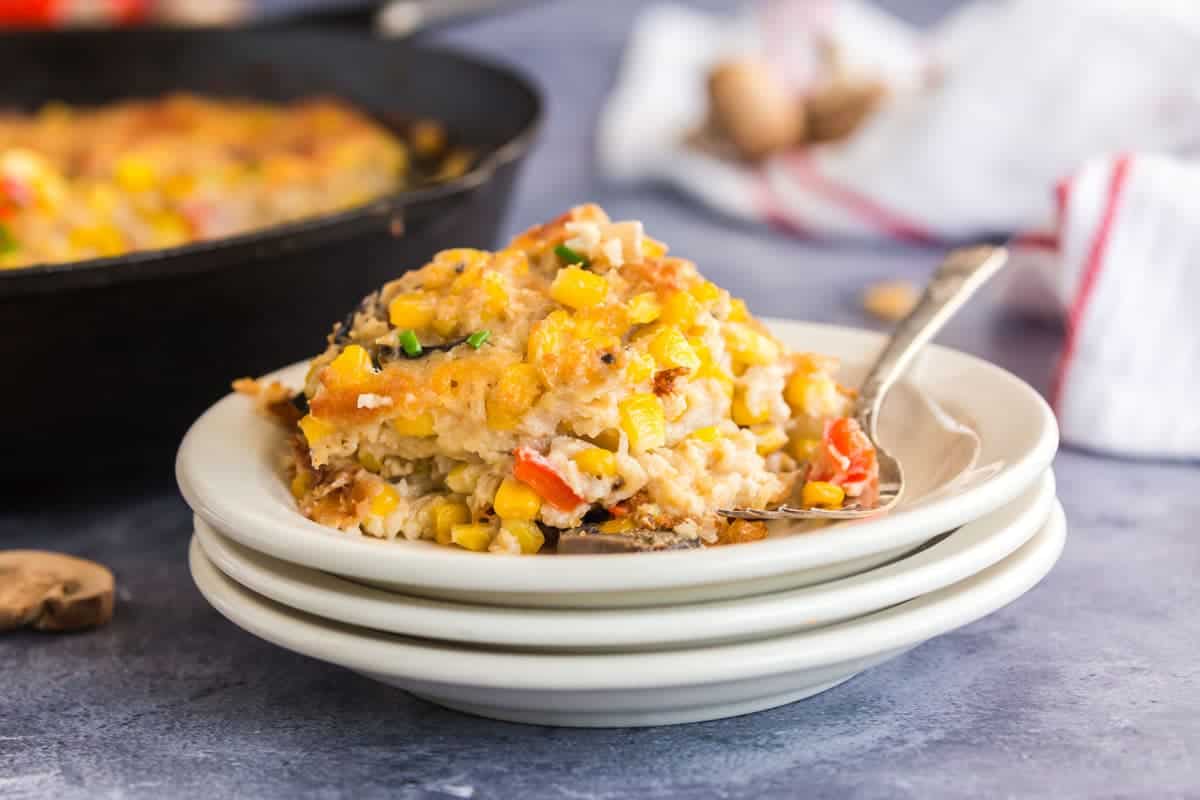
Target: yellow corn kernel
point(134, 173)
point(469, 278)
point(748, 346)
point(771, 438)
point(671, 349)
point(465, 257)
point(495, 289)
point(652, 248)
point(639, 368)
point(385, 501)
point(578, 288)
point(515, 500)
point(709, 434)
point(706, 292)
point(447, 514)
point(619, 525)
point(527, 534)
point(414, 310)
point(471, 536)
point(460, 479)
point(643, 308)
point(301, 483)
point(418, 425)
point(738, 311)
point(681, 310)
point(744, 415)
point(597, 461)
point(514, 394)
point(803, 448)
point(352, 366)
point(643, 421)
point(370, 462)
point(179, 186)
point(315, 429)
point(821, 494)
point(714, 373)
point(813, 394)
point(548, 336)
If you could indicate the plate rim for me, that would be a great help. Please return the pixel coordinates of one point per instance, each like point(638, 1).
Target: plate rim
point(307, 543)
point(337, 599)
point(446, 664)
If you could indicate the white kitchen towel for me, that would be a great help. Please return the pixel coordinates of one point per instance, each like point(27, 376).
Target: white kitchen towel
point(1002, 120)
point(986, 110)
point(1123, 265)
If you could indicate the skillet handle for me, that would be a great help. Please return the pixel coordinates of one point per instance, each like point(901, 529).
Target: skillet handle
point(400, 18)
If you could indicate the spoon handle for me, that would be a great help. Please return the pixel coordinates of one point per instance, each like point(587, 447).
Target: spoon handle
point(957, 278)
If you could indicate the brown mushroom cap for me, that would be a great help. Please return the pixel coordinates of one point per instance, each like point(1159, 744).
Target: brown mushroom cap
point(53, 592)
point(754, 108)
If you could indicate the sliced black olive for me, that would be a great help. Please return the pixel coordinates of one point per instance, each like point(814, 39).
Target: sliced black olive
point(588, 540)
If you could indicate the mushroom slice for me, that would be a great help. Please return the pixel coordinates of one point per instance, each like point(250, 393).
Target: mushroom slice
point(588, 540)
point(53, 592)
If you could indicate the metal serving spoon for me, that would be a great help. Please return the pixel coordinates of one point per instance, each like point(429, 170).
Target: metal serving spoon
point(959, 276)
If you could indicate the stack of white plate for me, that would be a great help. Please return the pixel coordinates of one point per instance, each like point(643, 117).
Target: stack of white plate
point(649, 638)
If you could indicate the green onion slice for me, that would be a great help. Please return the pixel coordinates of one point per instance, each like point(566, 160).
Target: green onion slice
point(477, 338)
point(570, 256)
point(410, 344)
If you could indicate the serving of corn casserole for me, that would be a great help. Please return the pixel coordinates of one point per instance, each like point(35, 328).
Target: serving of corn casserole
point(82, 183)
point(578, 383)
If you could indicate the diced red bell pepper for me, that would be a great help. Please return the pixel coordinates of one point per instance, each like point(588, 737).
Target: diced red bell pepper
point(847, 457)
point(535, 471)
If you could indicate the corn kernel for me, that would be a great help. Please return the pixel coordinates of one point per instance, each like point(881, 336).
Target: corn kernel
point(134, 174)
point(681, 309)
point(446, 515)
point(370, 462)
point(412, 310)
point(643, 308)
point(744, 415)
point(771, 438)
point(527, 534)
point(597, 461)
point(738, 311)
point(652, 248)
point(513, 395)
point(639, 368)
point(460, 479)
point(315, 429)
point(815, 395)
point(709, 434)
point(352, 366)
point(750, 347)
point(301, 483)
point(547, 337)
point(620, 525)
point(644, 422)
point(495, 289)
point(515, 500)
point(803, 448)
point(706, 292)
point(671, 349)
point(821, 494)
point(471, 536)
point(385, 501)
point(578, 288)
point(418, 425)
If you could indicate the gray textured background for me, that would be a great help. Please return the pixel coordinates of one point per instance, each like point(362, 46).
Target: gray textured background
point(1087, 687)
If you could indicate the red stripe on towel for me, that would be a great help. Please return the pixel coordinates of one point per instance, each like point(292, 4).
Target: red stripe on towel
point(1091, 269)
point(859, 205)
point(774, 212)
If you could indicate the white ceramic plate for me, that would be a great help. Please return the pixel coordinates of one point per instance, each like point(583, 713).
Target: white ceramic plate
point(227, 470)
point(636, 688)
point(965, 552)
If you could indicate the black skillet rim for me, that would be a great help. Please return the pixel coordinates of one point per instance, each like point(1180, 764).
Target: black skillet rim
point(214, 254)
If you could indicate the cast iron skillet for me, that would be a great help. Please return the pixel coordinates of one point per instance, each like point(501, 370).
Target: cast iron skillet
point(105, 362)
